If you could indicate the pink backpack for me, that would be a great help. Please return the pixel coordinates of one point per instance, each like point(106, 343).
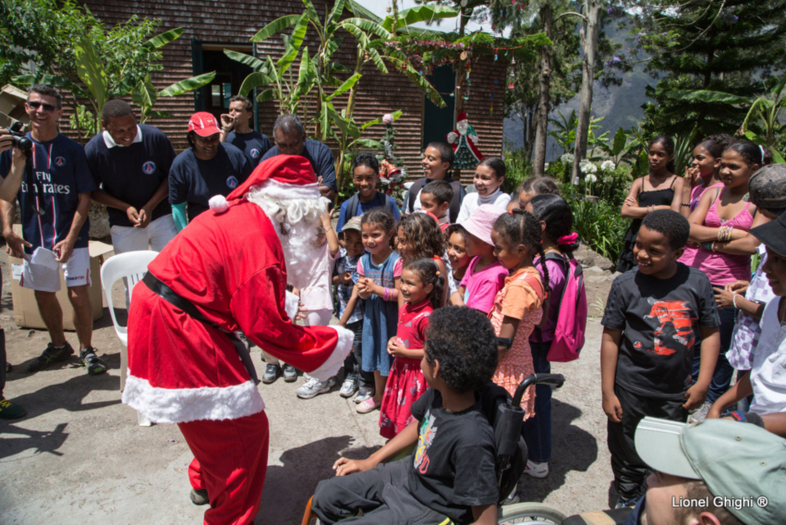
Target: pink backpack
point(572, 320)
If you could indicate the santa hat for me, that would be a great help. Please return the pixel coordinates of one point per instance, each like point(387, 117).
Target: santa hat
point(461, 116)
point(283, 176)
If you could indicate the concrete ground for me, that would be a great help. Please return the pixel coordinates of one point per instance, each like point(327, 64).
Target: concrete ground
point(79, 456)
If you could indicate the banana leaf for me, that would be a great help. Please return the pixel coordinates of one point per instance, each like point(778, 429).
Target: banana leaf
point(188, 84)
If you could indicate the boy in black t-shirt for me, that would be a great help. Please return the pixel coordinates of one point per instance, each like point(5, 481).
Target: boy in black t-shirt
point(451, 472)
point(652, 317)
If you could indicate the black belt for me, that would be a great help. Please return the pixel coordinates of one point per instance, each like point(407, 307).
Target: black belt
point(166, 293)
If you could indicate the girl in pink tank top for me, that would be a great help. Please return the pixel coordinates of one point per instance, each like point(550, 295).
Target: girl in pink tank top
point(720, 222)
point(702, 174)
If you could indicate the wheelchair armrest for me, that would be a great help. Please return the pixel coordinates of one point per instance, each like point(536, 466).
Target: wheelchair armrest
point(555, 380)
point(601, 517)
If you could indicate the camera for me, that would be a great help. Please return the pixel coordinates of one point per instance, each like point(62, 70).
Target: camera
point(18, 138)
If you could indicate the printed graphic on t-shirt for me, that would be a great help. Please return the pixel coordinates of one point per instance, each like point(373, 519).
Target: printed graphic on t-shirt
point(149, 167)
point(675, 327)
point(232, 182)
point(254, 153)
point(60, 162)
point(427, 433)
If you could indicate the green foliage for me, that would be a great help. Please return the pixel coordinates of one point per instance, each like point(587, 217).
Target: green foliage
point(519, 168)
point(565, 132)
point(63, 44)
point(597, 222)
point(732, 47)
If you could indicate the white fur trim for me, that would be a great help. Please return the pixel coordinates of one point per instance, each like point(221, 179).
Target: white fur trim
point(218, 203)
point(330, 367)
point(286, 191)
point(181, 405)
point(291, 304)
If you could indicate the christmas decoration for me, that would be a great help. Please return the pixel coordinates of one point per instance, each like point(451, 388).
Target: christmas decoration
point(391, 170)
point(463, 139)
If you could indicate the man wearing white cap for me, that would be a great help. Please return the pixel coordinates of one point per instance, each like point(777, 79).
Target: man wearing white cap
point(228, 272)
point(206, 169)
point(714, 472)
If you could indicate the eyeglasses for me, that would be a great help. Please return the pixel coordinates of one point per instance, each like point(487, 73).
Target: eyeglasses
point(47, 107)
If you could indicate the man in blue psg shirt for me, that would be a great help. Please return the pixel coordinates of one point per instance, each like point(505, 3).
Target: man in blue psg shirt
point(208, 168)
point(290, 138)
point(235, 130)
point(131, 163)
point(55, 200)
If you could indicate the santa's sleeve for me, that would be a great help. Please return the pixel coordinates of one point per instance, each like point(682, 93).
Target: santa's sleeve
point(258, 306)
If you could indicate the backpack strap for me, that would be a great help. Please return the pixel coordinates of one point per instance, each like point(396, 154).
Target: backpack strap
point(414, 190)
point(384, 201)
point(352, 207)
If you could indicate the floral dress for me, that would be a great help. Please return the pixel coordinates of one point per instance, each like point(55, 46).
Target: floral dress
point(521, 298)
point(405, 383)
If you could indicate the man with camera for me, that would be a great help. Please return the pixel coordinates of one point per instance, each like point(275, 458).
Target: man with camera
point(54, 186)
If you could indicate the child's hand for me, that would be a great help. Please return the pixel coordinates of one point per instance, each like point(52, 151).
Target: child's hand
point(692, 175)
point(723, 298)
point(395, 347)
point(346, 278)
point(739, 287)
point(301, 311)
point(715, 412)
point(344, 466)
point(695, 396)
point(612, 408)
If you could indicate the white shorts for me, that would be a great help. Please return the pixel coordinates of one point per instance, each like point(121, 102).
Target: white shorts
point(41, 273)
point(156, 235)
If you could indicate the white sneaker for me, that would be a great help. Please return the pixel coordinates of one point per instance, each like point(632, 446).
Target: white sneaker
point(537, 470)
point(349, 387)
point(314, 387)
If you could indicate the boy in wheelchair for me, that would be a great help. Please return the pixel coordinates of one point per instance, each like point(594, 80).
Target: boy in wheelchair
point(452, 470)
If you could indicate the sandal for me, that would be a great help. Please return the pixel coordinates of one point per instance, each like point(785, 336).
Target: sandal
point(369, 405)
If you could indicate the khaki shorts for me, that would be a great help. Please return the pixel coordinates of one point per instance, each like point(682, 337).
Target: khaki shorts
point(41, 272)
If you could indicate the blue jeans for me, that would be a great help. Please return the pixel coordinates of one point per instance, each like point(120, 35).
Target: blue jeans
point(537, 429)
point(721, 377)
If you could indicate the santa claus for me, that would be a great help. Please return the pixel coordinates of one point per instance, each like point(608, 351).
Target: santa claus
point(228, 271)
point(463, 140)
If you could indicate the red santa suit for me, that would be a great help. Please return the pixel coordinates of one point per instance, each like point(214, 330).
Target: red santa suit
point(230, 266)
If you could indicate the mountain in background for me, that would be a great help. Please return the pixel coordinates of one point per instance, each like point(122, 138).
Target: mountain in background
point(619, 105)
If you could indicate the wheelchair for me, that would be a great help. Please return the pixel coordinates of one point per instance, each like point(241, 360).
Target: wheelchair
point(506, 417)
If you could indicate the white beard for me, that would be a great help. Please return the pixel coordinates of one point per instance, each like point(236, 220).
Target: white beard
point(462, 127)
point(296, 222)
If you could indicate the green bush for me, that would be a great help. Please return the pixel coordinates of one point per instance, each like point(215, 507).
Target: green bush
point(597, 222)
point(519, 167)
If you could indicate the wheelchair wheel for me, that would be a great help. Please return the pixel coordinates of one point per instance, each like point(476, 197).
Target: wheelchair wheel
point(530, 513)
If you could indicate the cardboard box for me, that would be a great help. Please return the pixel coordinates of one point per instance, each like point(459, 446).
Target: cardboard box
point(26, 312)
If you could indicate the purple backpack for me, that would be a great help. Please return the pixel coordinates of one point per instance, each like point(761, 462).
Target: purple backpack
point(572, 320)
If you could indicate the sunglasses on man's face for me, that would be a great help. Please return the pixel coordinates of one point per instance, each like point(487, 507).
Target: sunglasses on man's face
point(47, 107)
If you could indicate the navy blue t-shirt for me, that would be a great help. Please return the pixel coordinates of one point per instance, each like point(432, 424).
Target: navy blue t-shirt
point(134, 173)
point(60, 168)
point(363, 207)
point(254, 144)
point(194, 181)
point(321, 159)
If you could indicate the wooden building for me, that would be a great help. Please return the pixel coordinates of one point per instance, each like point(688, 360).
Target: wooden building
point(210, 26)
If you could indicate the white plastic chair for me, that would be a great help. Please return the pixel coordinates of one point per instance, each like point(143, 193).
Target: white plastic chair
point(131, 266)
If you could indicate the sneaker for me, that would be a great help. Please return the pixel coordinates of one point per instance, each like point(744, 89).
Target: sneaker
point(199, 497)
point(91, 361)
point(49, 356)
point(369, 405)
point(700, 414)
point(272, 372)
point(349, 387)
point(364, 393)
point(537, 470)
point(622, 503)
point(290, 373)
point(313, 387)
point(9, 410)
point(513, 497)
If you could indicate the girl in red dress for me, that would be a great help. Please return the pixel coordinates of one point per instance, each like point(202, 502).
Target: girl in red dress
point(421, 288)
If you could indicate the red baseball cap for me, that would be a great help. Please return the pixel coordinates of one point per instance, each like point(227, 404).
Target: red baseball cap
point(203, 124)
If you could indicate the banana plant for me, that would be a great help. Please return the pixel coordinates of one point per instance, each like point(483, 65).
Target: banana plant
point(320, 72)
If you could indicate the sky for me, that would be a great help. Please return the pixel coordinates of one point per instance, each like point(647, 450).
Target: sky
point(379, 7)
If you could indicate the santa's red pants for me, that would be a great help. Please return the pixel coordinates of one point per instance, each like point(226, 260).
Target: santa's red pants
point(230, 461)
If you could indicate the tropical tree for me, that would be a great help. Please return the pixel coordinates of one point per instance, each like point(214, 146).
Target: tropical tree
point(321, 73)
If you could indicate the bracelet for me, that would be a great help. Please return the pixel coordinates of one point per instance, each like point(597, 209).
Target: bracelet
point(386, 294)
point(738, 416)
point(734, 300)
point(686, 204)
point(225, 131)
point(328, 227)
